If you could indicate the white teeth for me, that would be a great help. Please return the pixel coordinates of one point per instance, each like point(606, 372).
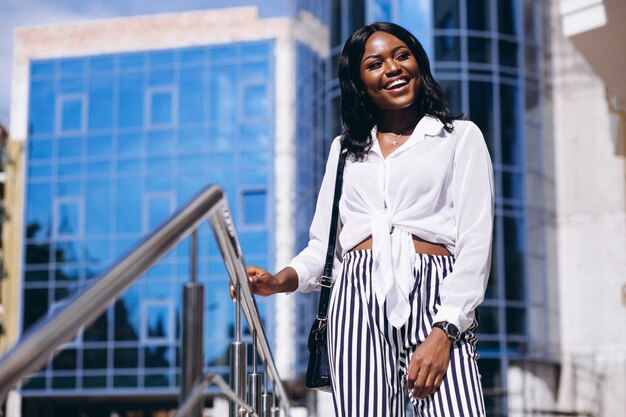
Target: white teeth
point(395, 83)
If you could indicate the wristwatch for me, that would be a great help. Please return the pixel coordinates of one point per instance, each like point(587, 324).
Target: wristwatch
point(450, 329)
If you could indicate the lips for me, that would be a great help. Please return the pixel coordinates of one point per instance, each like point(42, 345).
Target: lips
point(395, 84)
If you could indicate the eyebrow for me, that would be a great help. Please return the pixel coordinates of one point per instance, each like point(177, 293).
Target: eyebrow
point(392, 51)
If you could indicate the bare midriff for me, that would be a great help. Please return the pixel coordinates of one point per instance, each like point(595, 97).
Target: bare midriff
point(421, 246)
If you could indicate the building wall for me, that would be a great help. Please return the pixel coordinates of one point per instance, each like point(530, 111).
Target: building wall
point(591, 234)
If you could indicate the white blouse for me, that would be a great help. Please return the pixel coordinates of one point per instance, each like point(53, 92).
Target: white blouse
point(437, 186)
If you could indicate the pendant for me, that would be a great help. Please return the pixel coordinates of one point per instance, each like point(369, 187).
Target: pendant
point(394, 142)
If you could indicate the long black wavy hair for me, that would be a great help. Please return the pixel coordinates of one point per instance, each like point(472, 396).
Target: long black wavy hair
point(358, 114)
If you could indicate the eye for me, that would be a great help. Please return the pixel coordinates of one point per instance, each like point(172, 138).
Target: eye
point(373, 65)
point(403, 55)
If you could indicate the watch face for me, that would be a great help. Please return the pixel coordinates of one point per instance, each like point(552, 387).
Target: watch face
point(452, 330)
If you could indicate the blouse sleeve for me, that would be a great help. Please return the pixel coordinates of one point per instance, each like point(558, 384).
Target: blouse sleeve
point(473, 201)
point(309, 264)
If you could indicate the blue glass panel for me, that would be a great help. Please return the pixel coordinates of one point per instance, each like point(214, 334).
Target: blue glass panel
point(254, 136)
point(39, 68)
point(102, 64)
point(101, 145)
point(132, 61)
point(255, 101)
point(379, 11)
point(158, 210)
point(129, 166)
point(256, 71)
point(68, 189)
point(192, 55)
point(41, 149)
point(131, 100)
point(39, 209)
point(127, 316)
point(41, 112)
point(162, 77)
point(70, 147)
point(71, 114)
point(68, 221)
point(98, 207)
point(255, 50)
point(72, 66)
point(510, 112)
point(188, 185)
point(223, 93)
point(256, 176)
point(98, 251)
point(227, 52)
point(37, 171)
point(37, 275)
point(254, 207)
point(37, 300)
point(99, 167)
point(161, 108)
point(160, 183)
point(191, 162)
point(72, 85)
point(129, 143)
point(128, 206)
point(191, 103)
point(101, 103)
point(160, 165)
point(67, 252)
point(38, 254)
point(158, 321)
point(162, 141)
point(71, 169)
point(255, 159)
point(191, 140)
point(223, 139)
point(161, 58)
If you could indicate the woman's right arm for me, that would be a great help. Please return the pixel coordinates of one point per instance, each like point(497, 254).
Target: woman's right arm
point(304, 271)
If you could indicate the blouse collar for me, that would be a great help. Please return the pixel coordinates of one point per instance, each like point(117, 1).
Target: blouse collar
point(427, 126)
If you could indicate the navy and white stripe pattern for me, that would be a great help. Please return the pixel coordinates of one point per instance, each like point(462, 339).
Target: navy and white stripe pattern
point(369, 357)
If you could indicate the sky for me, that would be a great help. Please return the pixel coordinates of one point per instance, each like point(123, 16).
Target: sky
point(17, 13)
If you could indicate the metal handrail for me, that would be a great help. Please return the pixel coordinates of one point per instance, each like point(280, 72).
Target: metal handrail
point(34, 349)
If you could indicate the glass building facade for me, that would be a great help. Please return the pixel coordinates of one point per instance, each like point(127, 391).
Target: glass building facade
point(116, 143)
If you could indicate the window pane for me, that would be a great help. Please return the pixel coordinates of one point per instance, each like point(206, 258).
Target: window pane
point(447, 14)
point(478, 14)
point(129, 206)
point(127, 318)
point(191, 104)
point(125, 357)
point(508, 53)
point(255, 136)
point(158, 210)
point(41, 112)
point(447, 48)
point(71, 114)
point(254, 207)
point(223, 93)
point(94, 358)
point(130, 101)
point(510, 121)
point(255, 101)
point(453, 92)
point(514, 250)
point(479, 50)
point(39, 210)
point(507, 13)
point(70, 147)
point(101, 103)
point(68, 219)
point(481, 110)
point(161, 108)
point(158, 322)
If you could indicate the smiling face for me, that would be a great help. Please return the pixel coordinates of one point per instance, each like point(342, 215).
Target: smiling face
point(389, 72)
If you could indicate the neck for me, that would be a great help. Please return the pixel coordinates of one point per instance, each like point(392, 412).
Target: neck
point(398, 122)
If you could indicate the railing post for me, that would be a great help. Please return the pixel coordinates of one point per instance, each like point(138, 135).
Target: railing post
point(192, 362)
point(267, 398)
point(254, 380)
point(238, 359)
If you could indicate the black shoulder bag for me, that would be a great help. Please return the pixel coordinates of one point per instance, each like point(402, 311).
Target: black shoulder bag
point(318, 370)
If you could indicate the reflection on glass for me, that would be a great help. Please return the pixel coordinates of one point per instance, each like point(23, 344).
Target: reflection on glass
point(479, 14)
point(67, 222)
point(191, 104)
point(514, 251)
point(98, 330)
point(130, 102)
point(510, 116)
point(101, 102)
point(479, 50)
point(41, 103)
point(447, 48)
point(481, 111)
point(447, 14)
point(126, 322)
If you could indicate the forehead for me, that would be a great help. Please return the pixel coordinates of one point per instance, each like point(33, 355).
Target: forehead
point(380, 42)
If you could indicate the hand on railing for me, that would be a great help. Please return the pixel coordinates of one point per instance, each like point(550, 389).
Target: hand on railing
point(264, 283)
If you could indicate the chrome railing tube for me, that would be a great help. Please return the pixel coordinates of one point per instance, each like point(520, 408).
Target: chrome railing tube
point(255, 380)
point(45, 337)
point(192, 362)
point(224, 232)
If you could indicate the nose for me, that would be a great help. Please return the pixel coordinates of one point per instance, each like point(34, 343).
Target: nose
point(392, 68)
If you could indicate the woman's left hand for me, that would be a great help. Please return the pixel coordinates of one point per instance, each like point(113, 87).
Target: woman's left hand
point(428, 364)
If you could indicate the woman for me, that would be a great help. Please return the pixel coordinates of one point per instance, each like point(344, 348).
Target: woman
point(416, 215)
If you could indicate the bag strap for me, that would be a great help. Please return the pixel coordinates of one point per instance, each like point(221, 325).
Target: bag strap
point(326, 280)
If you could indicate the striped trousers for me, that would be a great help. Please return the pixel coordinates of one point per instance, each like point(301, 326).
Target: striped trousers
point(369, 357)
